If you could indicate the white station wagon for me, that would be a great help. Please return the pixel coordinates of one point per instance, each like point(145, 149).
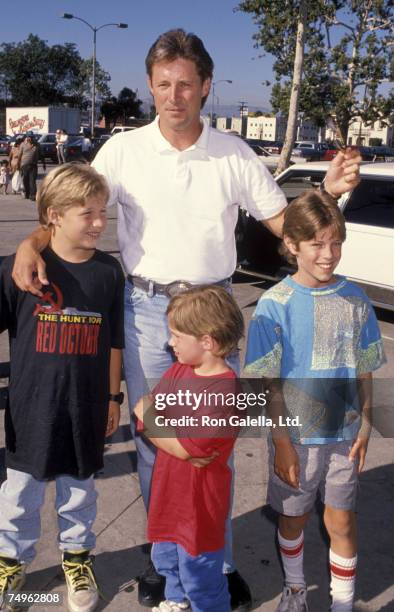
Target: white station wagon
point(368, 253)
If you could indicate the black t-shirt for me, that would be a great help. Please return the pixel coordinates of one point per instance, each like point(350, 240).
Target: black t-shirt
point(60, 351)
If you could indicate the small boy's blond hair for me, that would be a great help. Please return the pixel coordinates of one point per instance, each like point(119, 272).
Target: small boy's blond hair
point(69, 185)
point(311, 212)
point(208, 310)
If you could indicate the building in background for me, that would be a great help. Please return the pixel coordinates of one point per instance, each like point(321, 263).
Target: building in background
point(266, 127)
point(273, 128)
point(365, 135)
point(362, 134)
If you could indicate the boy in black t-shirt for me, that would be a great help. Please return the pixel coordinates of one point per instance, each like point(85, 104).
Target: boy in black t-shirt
point(65, 348)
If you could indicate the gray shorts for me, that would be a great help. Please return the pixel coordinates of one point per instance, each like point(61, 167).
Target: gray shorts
point(323, 467)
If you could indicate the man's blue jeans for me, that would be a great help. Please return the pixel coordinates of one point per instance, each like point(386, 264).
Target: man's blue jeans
point(146, 357)
point(198, 579)
point(21, 498)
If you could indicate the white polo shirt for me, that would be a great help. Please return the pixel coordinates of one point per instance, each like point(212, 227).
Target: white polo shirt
point(177, 210)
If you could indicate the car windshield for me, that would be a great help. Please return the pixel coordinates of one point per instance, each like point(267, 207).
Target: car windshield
point(74, 139)
point(372, 203)
point(259, 150)
point(295, 184)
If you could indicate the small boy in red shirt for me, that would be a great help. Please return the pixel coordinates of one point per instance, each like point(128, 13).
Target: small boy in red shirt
point(191, 483)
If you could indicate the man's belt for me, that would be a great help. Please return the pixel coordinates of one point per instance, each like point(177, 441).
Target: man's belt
point(179, 286)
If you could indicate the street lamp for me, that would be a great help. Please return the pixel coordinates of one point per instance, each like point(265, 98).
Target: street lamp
point(214, 83)
point(94, 30)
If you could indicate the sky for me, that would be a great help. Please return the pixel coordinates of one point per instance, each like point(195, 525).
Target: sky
point(226, 35)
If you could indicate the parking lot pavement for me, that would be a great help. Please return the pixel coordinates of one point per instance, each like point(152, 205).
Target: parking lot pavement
point(120, 525)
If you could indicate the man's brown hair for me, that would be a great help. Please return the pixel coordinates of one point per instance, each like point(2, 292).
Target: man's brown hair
point(311, 212)
point(208, 310)
point(69, 185)
point(177, 43)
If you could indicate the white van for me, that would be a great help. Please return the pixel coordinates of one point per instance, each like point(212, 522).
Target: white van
point(122, 128)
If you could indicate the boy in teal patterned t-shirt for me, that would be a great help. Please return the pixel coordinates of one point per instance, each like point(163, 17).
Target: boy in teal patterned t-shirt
point(317, 333)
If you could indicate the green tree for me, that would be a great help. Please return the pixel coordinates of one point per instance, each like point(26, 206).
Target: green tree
point(37, 74)
point(285, 29)
point(102, 78)
point(129, 103)
point(341, 78)
point(110, 111)
point(126, 105)
point(361, 60)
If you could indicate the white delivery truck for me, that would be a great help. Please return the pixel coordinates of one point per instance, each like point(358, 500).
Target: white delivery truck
point(42, 119)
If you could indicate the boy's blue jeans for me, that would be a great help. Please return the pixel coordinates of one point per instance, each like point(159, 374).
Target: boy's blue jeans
point(146, 357)
point(199, 579)
point(21, 498)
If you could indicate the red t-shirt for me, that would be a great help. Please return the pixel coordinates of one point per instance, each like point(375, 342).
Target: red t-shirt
point(189, 505)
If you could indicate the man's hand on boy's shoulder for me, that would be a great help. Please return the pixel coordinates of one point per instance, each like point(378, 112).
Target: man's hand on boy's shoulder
point(359, 451)
point(29, 271)
point(113, 418)
point(286, 463)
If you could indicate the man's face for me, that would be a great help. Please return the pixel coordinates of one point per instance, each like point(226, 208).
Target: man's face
point(177, 89)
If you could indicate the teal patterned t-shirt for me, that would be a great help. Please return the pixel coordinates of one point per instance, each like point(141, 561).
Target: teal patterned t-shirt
point(318, 341)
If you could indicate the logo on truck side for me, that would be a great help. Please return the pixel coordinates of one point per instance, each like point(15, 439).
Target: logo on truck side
point(24, 124)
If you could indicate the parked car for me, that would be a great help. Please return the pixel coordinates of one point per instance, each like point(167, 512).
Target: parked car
point(275, 146)
point(122, 128)
point(383, 153)
point(20, 137)
point(73, 148)
point(270, 160)
point(4, 145)
point(47, 144)
point(367, 254)
point(367, 153)
point(98, 143)
point(311, 151)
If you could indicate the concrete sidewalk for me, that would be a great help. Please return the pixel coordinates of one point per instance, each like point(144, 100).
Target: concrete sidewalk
point(120, 525)
point(120, 529)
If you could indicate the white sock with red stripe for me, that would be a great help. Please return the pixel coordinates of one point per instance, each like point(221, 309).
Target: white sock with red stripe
point(292, 554)
point(343, 580)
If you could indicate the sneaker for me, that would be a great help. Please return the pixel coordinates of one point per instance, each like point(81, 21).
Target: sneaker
point(240, 595)
point(12, 578)
point(151, 587)
point(172, 606)
point(293, 602)
point(81, 582)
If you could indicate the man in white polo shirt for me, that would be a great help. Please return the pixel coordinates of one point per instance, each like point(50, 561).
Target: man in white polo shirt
point(178, 184)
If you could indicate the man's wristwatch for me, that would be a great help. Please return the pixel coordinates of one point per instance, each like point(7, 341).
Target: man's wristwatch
point(116, 397)
point(322, 187)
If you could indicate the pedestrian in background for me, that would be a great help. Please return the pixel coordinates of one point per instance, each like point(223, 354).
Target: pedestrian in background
point(13, 160)
point(86, 147)
point(61, 140)
point(5, 177)
point(29, 155)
